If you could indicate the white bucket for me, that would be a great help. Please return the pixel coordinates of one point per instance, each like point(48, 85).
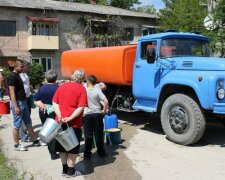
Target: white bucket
point(49, 130)
point(67, 138)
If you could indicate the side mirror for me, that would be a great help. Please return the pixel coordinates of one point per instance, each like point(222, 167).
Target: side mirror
point(151, 55)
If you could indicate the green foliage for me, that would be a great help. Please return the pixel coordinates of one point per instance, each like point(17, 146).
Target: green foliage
point(146, 9)
point(110, 33)
point(6, 172)
point(36, 74)
point(124, 4)
point(6, 72)
point(218, 33)
point(183, 15)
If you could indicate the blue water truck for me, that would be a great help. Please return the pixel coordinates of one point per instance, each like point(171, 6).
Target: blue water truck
point(171, 74)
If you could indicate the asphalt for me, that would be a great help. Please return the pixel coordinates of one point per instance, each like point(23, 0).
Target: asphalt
point(36, 163)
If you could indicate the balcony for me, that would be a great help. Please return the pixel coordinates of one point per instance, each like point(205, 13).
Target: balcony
point(42, 42)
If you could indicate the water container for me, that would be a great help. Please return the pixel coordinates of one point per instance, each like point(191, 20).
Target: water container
point(4, 107)
point(67, 138)
point(113, 136)
point(110, 121)
point(49, 130)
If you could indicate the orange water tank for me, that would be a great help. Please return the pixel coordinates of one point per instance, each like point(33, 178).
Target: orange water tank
point(112, 65)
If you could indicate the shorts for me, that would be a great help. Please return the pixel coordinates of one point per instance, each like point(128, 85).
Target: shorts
point(24, 115)
point(59, 147)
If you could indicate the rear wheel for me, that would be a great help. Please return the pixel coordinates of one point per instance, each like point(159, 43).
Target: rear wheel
point(182, 119)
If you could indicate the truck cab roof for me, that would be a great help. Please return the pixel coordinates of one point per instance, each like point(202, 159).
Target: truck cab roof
point(174, 35)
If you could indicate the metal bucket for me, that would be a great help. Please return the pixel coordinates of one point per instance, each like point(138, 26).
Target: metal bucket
point(49, 130)
point(67, 138)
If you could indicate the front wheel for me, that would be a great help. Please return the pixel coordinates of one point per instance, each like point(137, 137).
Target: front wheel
point(182, 119)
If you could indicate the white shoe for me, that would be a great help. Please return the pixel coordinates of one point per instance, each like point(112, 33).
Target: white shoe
point(20, 147)
point(43, 143)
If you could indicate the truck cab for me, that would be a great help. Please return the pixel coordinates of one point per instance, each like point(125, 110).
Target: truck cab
point(175, 76)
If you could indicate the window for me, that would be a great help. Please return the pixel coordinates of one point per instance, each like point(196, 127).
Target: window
point(148, 31)
point(43, 28)
point(7, 28)
point(184, 47)
point(145, 46)
point(44, 61)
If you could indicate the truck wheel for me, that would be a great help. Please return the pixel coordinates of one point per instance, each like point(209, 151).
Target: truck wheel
point(182, 119)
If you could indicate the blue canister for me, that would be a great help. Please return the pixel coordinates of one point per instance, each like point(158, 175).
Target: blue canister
point(110, 121)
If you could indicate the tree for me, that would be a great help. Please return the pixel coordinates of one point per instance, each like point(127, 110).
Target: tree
point(150, 9)
point(36, 74)
point(218, 33)
point(183, 15)
point(124, 4)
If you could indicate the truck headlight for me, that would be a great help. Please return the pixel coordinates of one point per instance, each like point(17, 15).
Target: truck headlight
point(220, 93)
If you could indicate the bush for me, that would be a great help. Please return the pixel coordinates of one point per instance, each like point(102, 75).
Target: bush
point(6, 72)
point(36, 74)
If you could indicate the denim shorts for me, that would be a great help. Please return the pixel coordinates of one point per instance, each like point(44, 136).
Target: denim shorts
point(24, 115)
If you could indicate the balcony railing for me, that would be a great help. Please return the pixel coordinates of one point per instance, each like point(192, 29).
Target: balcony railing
point(43, 42)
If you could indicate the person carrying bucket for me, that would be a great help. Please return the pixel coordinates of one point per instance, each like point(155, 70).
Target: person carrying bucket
point(69, 101)
point(43, 100)
point(93, 118)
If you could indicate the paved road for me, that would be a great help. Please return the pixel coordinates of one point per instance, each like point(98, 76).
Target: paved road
point(145, 153)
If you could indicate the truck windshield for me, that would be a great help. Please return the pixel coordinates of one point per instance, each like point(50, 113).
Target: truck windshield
point(184, 47)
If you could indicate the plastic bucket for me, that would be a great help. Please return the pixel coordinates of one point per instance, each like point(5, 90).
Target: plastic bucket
point(110, 121)
point(113, 136)
point(4, 107)
point(67, 138)
point(49, 130)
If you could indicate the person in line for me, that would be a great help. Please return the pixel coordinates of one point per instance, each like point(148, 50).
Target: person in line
point(2, 84)
point(26, 82)
point(93, 118)
point(28, 89)
point(43, 100)
point(69, 101)
point(19, 107)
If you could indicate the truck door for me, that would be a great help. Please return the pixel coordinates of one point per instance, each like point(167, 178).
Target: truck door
point(146, 78)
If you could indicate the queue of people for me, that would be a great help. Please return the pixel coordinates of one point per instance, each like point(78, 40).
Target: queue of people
point(74, 103)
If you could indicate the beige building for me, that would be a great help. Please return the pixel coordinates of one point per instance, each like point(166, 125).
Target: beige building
point(40, 30)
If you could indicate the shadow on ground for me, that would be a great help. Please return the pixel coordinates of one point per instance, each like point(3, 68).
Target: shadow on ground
point(150, 122)
point(214, 132)
point(88, 166)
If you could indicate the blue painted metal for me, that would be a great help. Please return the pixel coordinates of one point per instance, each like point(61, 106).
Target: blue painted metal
point(149, 80)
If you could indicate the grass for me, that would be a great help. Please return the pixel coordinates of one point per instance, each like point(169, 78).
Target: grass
point(7, 173)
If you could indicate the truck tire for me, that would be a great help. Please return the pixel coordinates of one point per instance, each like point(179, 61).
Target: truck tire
point(182, 119)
